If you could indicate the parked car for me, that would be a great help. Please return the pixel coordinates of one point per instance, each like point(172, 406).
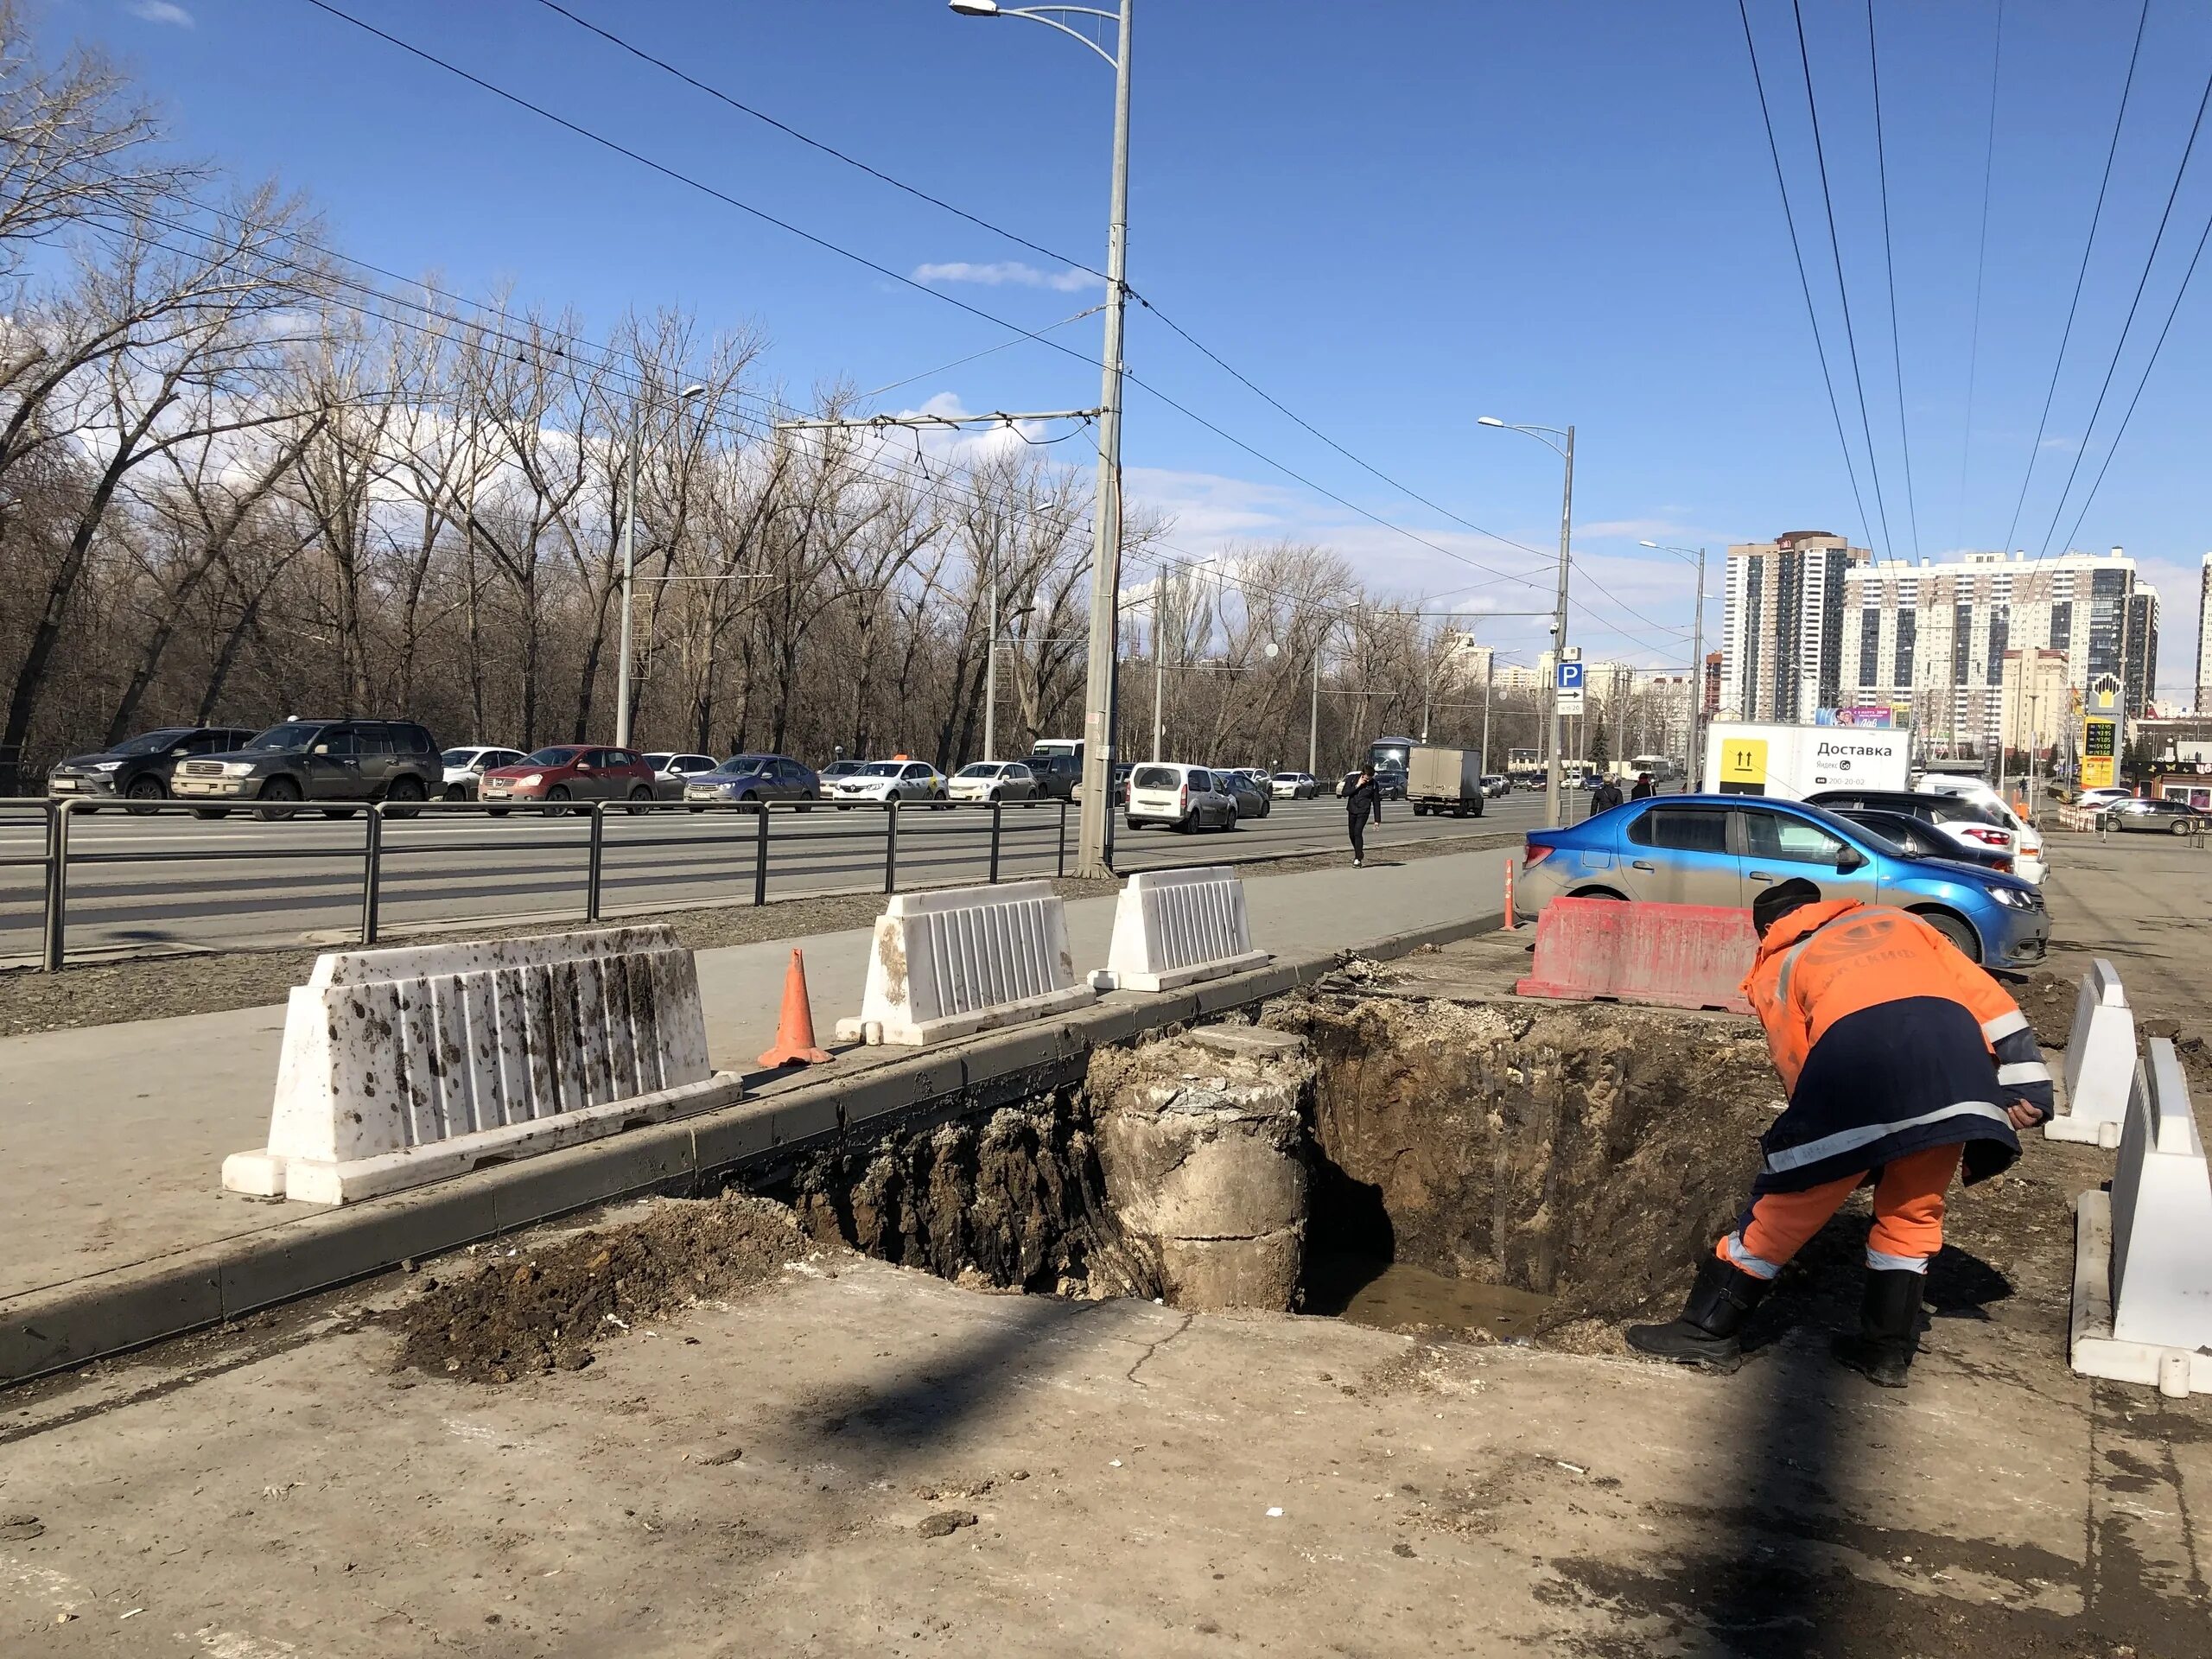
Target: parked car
point(993, 780)
point(2093, 799)
point(889, 780)
point(2027, 854)
point(1057, 774)
point(1253, 800)
point(837, 769)
point(1916, 838)
point(1122, 770)
point(315, 761)
point(1966, 822)
point(2166, 818)
point(672, 771)
point(1179, 798)
point(749, 779)
point(465, 768)
point(1496, 785)
point(571, 772)
point(1293, 787)
point(1724, 849)
point(139, 768)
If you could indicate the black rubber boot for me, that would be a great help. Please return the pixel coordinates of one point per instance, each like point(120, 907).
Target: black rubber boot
point(1707, 1334)
point(1889, 1328)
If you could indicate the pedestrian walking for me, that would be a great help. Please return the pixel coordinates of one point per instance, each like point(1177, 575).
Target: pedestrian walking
point(1362, 799)
point(1604, 798)
point(1644, 787)
point(1901, 1060)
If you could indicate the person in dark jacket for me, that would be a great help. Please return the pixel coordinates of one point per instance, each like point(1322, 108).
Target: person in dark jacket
point(1903, 1061)
point(1644, 788)
point(1604, 798)
point(1362, 800)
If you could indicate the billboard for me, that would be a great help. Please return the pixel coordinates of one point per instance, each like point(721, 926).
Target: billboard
point(1862, 715)
point(2098, 752)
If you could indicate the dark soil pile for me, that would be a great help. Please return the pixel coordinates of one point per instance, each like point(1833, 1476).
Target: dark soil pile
point(543, 1310)
point(1588, 1154)
point(2048, 999)
point(1017, 1202)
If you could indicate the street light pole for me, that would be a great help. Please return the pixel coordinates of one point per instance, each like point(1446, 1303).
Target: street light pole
point(1159, 653)
point(1697, 651)
point(1314, 716)
point(1565, 451)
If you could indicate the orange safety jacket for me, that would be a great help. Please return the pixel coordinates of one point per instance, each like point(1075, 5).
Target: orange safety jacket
point(1888, 1040)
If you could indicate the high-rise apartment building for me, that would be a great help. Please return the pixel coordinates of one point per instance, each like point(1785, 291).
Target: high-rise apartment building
point(1782, 625)
point(2204, 638)
point(1934, 638)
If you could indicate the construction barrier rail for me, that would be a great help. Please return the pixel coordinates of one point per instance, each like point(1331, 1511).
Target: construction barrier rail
point(1671, 956)
point(955, 962)
point(1174, 928)
point(2099, 1067)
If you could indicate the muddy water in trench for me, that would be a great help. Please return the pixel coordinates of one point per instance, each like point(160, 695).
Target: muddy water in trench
point(1399, 1296)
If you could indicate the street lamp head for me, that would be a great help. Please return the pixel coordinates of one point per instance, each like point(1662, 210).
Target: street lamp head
point(1488, 420)
point(690, 392)
point(1650, 544)
point(977, 8)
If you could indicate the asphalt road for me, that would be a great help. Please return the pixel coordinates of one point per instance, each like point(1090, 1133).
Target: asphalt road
point(172, 879)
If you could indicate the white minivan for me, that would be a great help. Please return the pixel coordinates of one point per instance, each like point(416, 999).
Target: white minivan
point(2027, 854)
point(1180, 797)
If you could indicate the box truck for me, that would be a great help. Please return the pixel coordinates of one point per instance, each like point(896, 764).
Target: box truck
point(1445, 780)
point(1790, 762)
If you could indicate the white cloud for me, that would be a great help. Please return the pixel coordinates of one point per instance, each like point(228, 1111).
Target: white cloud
point(1004, 273)
point(160, 11)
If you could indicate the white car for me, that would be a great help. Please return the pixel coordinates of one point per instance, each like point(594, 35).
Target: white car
point(1293, 787)
point(672, 771)
point(879, 781)
point(465, 768)
point(2027, 854)
point(993, 780)
point(2095, 800)
point(1179, 797)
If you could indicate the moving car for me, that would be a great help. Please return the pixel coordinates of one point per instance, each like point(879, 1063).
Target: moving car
point(1918, 839)
point(1390, 784)
point(2166, 818)
point(1293, 787)
point(1495, 785)
point(2093, 799)
point(465, 768)
point(993, 780)
point(139, 768)
point(1725, 849)
point(1179, 796)
point(316, 761)
point(880, 781)
point(837, 769)
point(671, 771)
point(749, 779)
point(1966, 823)
point(570, 772)
point(1057, 773)
point(2027, 855)
point(1253, 800)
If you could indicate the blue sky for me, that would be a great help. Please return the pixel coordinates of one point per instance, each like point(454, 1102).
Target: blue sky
point(1395, 217)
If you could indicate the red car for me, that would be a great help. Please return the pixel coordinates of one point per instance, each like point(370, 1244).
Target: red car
point(571, 772)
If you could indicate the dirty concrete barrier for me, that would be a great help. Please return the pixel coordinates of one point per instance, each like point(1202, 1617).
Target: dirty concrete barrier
point(1203, 1145)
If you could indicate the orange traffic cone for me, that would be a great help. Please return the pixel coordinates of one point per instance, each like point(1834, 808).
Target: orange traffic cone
point(795, 1030)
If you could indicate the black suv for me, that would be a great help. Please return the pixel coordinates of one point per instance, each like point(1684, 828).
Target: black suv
point(138, 768)
point(1057, 775)
point(316, 760)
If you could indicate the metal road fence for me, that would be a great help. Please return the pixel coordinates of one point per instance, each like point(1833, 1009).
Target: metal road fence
point(995, 832)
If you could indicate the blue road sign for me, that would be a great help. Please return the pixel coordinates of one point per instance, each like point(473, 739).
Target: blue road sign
point(1570, 677)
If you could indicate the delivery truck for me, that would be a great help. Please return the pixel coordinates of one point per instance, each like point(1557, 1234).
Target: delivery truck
point(1790, 762)
point(1440, 780)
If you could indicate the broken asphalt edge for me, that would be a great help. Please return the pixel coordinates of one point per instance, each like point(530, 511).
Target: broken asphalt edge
point(60, 1326)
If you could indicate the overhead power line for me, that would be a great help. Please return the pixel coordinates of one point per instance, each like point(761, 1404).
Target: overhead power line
point(1890, 265)
point(1980, 269)
point(2073, 306)
point(1804, 282)
point(1842, 288)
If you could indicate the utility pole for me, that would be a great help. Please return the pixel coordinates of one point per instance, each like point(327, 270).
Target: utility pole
point(1489, 663)
point(1313, 714)
point(991, 664)
point(1697, 669)
point(629, 582)
point(1158, 654)
point(1559, 633)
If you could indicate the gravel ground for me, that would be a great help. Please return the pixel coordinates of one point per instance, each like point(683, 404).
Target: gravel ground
point(156, 988)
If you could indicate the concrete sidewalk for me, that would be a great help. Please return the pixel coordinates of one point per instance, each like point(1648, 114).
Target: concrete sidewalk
point(112, 1138)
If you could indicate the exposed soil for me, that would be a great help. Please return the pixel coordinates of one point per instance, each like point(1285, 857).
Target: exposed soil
point(528, 1312)
point(2048, 1001)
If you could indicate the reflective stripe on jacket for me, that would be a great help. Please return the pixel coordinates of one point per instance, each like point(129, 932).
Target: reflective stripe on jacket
point(1888, 1040)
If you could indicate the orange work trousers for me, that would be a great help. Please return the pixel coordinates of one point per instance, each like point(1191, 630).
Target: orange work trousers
point(1908, 1216)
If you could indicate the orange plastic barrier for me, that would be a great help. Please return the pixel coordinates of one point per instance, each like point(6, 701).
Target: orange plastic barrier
point(1673, 955)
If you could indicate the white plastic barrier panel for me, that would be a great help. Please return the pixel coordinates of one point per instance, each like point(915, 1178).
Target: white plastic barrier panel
point(2100, 1069)
point(408, 1066)
point(1175, 927)
point(2143, 1313)
point(948, 964)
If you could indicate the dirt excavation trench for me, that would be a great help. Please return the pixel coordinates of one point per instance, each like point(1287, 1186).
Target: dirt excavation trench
point(1480, 1170)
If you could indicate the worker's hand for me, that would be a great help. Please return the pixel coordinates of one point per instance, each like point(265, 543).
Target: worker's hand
point(2024, 1116)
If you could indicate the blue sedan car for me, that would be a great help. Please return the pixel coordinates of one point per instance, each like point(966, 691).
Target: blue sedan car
point(1722, 850)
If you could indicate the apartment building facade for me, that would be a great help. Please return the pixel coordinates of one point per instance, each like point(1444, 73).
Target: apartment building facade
point(1782, 625)
point(2204, 638)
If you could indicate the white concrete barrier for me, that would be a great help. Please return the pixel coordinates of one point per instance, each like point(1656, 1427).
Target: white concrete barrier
point(2143, 1256)
point(948, 965)
point(408, 1065)
point(1175, 927)
point(2099, 1070)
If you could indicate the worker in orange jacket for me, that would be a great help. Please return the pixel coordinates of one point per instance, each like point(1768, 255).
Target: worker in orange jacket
point(1901, 1060)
